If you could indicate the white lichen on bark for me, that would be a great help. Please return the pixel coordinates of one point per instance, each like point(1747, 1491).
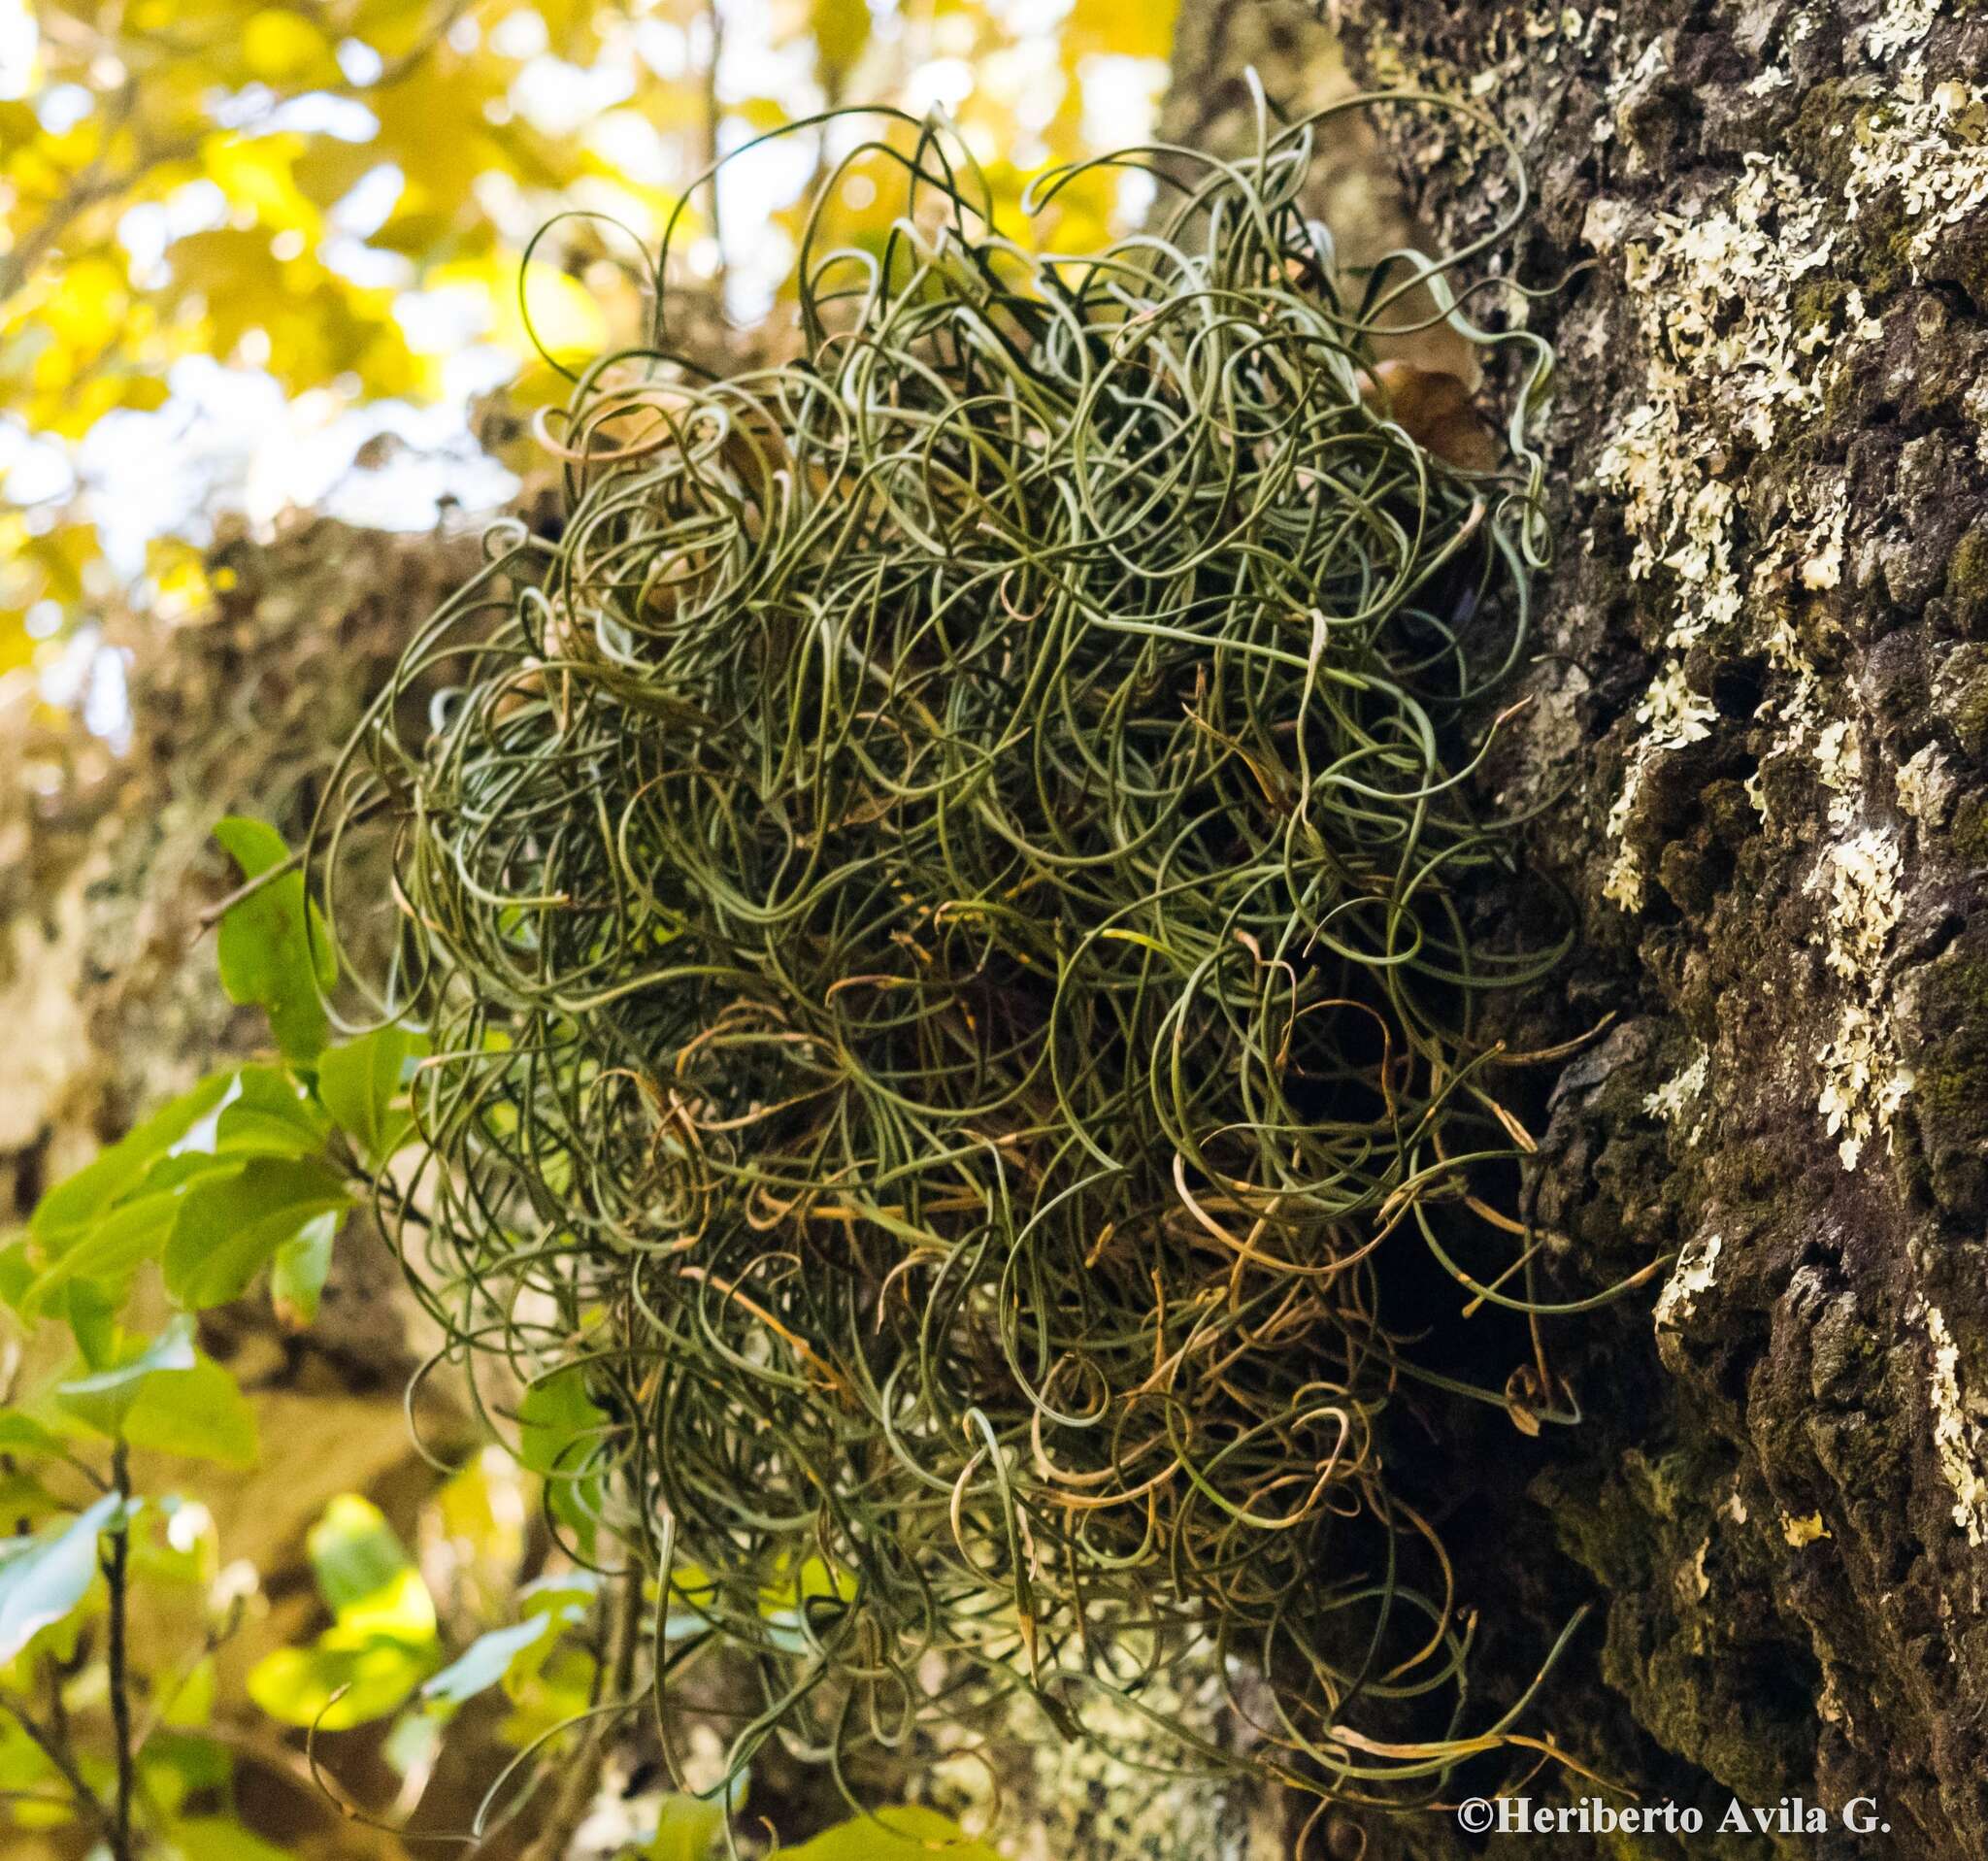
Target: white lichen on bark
point(1956, 1435)
point(1691, 1277)
point(1676, 1097)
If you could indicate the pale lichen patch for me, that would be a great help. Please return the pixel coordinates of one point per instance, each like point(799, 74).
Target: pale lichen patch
point(1803, 1531)
point(1900, 25)
point(1673, 715)
point(1691, 1277)
point(1713, 292)
point(1957, 1437)
point(1840, 762)
point(1930, 146)
point(1926, 784)
point(1864, 1083)
point(1864, 901)
point(1674, 1099)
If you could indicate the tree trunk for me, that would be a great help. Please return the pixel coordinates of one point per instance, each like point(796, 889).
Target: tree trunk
point(1763, 682)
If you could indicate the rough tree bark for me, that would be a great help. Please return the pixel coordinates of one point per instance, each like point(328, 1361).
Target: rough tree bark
point(1763, 678)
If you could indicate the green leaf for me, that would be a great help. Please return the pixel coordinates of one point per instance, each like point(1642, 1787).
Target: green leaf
point(380, 1675)
point(172, 1765)
point(188, 1703)
point(486, 1661)
point(21, 1434)
point(361, 1082)
point(93, 1323)
point(557, 1421)
point(908, 1833)
point(166, 1395)
point(268, 1116)
point(365, 1575)
point(68, 1209)
point(24, 1765)
point(230, 1227)
point(299, 1269)
point(198, 1412)
point(43, 1577)
point(25, 1500)
point(568, 1595)
point(687, 1828)
point(273, 948)
point(216, 1838)
point(558, 1426)
point(110, 1251)
point(104, 1399)
point(16, 1271)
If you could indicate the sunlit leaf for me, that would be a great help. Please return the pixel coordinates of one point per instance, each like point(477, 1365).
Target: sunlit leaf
point(107, 1252)
point(911, 1833)
point(283, 48)
point(842, 29)
point(550, 1698)
point(21, 1434)
point(103, 1399)
point(365, 1575)
point(43, 1577)
point(16, 1270)
point(199, 1412)
point(74, 1202)
point(173, 1765)
point(259, 173)
point(567, 1595)
point(231, 1224)
point(806, 1595)
point(299, 1269)
point(214, 1838)
point(378, 1676)
point(267, 1114)
point(363, 1084)
point(93, 1325)
point(540, 308)
point(488, 1659)
point(558, 1426)
point(687, 1829)
point(189, 1702)
point(273, 948)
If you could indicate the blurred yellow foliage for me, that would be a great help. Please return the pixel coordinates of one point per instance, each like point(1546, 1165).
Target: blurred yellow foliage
point(266, 184)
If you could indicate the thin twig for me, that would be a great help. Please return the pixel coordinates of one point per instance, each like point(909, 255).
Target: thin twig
point(51, 1748)
point(116, 1575)
point(247, 890)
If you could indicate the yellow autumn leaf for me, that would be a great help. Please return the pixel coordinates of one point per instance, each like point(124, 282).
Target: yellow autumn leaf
point(259, 173)
point(558, 311)
point(395, 27)
point(87, 306)
point(283, 48)
point(17, 645)
point(842, 29)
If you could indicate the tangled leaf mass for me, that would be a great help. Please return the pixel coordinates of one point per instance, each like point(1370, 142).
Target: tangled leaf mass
point(942, 901)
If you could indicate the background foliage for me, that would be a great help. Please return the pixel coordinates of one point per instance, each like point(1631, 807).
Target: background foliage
point(236, 237)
